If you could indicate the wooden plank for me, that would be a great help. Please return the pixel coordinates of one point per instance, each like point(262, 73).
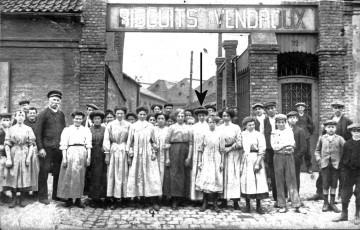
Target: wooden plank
point(4, 86)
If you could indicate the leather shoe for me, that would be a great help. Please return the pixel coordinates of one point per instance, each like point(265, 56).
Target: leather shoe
point(79, 204)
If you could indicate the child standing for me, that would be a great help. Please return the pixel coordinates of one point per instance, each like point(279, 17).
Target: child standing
point(283, 143)
point(209, 179)
point(350, 163)
point(328, 154)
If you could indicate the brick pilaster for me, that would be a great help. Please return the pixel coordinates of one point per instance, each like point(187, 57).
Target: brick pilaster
point(219, 61)
point(230, 52)
point(92, 54)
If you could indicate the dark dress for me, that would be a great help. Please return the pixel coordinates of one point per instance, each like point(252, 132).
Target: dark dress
point(97, 170)
point(180, 139)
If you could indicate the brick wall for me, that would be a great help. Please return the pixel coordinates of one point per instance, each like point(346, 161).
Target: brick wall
point(263, 52)
point(114, 96)
point(43, 55)
point(331, 56)
point(92, 52)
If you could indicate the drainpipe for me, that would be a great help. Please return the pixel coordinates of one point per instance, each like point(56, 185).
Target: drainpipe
point(234, 62)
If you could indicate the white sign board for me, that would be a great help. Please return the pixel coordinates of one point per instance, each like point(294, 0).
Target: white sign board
point(211, 18)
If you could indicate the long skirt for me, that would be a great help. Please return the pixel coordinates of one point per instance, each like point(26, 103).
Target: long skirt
point(253, 185)
point(210, 179)
point(175, 180)
point(97, 174)
point(232, 175)
point(72, 178)
point(117, 171)
point(35, 168)
point(18, 176)
point(195, 194)
point(161, 162)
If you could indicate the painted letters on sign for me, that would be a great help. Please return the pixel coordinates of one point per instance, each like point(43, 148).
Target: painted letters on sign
point(211, 18)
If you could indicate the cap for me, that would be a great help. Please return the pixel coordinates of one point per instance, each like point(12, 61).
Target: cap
point(338, 103)
point(354, 126)
point(300, 104)
point(24, 102)
point(270, 103)
point(92, 106)
point(291, 113)
point(257, 105)
point(201, 110)
point(280, 116)
point(97, 113)
point(330, 122)
point(5, 115)
point(54, 93)
point(154, 105)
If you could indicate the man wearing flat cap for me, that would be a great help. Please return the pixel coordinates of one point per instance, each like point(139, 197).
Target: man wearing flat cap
point(89, 108)
point(350, 162)
point(305, 122)
point(341, 129)
point(51, 123)
point(25, 105)
point(300, 143)
point(269, 126)
point(259, 112)
point(168, 108)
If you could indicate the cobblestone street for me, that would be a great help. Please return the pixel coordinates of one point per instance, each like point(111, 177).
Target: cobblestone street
point(55, 216)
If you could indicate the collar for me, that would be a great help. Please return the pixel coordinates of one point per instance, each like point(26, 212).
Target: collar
point(54, 110)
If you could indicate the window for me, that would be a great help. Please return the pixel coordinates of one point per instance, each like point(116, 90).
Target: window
point(179, 93)
point(210, 83)
point(182, 84)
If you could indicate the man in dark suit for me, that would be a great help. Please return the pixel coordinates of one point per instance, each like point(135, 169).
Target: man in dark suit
point(341, 129)
point(305, 122)
point(300, 143)
point(51, 123)
point(269, 126)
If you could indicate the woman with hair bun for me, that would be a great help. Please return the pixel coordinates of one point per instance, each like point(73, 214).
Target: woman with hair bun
point(232, 158)
point(144, 176)
point(76, 147)
point(115, 137)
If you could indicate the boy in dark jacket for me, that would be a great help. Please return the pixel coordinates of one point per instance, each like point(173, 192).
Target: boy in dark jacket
point(350, 163)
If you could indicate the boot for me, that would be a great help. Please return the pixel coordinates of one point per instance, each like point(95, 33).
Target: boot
point(344, 213)
point(204, 205)
point(79, 203)
point(247, 207)
point(21, 200)
point(326, 206)
point(14, 201)
point(357, 215)
point(114, 204)
point(174, 204)
point(236, 204)
point(68, 203)
point(155, 203)
point(223, 203)
point(216, 207)
point(259, 209)
point(332, 204)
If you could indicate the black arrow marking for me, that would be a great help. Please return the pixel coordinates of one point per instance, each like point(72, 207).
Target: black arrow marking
point(201, 95)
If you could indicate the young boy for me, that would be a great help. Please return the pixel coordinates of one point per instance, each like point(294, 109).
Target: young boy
point(350, 163)
point(283, 143)
point(328, 154)
point(5, 122)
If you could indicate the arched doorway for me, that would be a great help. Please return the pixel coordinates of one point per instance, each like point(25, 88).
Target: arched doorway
point(298, 82)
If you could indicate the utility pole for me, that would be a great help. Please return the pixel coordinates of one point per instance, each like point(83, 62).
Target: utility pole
point(191, 77)
point(220, 37)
